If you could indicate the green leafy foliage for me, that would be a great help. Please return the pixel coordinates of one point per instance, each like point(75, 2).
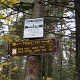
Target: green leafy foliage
point(58, 66)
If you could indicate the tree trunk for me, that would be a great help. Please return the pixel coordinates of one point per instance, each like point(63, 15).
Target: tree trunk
point(77, 11)
point(34, 62)
point(33, 68)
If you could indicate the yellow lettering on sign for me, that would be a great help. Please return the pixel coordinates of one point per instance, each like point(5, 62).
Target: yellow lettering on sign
point(37, 42)
point(48, 41)
point(27, 51)
point(35, 47)
point(27, 43)
point(20, 49)
point(37, 50)
point(14, 44)
point(41, 46)
point(43, 49)
point(26, 48)
point(51, 49)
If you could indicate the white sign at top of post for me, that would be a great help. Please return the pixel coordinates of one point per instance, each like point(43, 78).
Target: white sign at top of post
point(33, 28)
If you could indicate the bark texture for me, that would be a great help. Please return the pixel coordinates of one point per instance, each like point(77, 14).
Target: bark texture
point(34, 62)
point(33, 68)
point(77, 11)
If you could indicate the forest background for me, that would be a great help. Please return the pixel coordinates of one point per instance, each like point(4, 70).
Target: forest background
point(59, 18)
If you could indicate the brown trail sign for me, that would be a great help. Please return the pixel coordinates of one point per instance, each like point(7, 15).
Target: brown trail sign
point(32, 47)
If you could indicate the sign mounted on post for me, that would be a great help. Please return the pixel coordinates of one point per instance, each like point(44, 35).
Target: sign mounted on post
point(33, 47)
point(33, 28)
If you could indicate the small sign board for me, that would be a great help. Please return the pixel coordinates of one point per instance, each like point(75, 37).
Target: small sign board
point(33, 47)
point(33, 28)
